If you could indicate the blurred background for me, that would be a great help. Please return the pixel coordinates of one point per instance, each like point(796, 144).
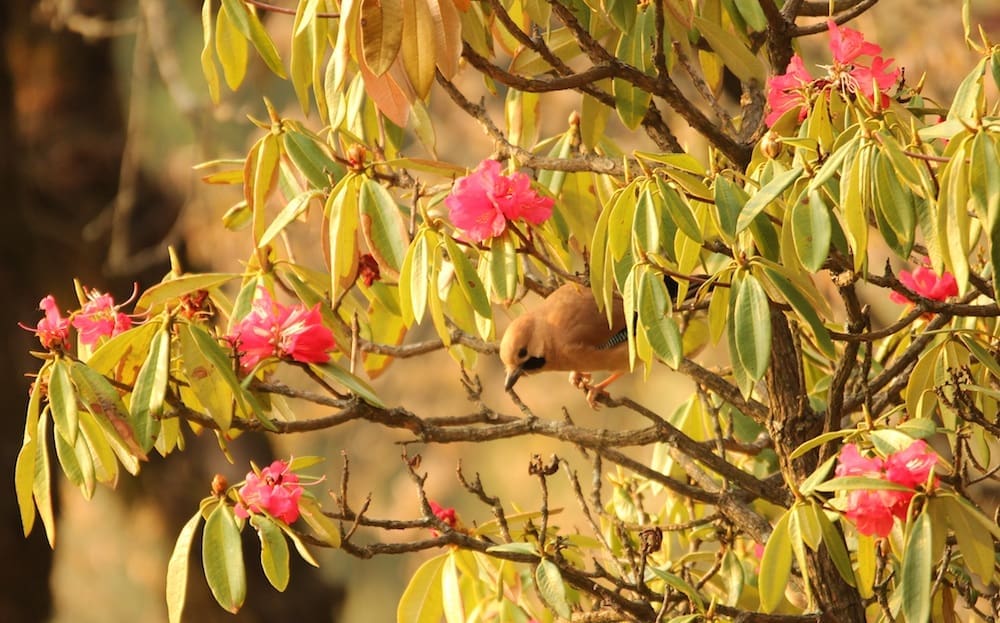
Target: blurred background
point(103, 113)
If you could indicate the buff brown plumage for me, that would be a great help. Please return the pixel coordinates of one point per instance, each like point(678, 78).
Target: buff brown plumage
point(567, 332)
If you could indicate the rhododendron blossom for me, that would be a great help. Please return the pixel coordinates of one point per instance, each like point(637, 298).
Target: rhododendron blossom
point(99, 319)
point(925, 282)
point(481, 203)
point(858, 67)
point(788, 91)
point(447, 515)
point(873, 510)
point(275, 330)
point(275, 491)
point(53, 329)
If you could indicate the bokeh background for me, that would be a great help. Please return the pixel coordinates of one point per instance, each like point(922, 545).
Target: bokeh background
point(103, 114)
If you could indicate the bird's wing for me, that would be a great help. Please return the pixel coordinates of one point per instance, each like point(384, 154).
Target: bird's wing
point(581, 337)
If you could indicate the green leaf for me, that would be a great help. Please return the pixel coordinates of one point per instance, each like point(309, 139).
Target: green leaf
point(208, 67)
point(222, 558)
point(24, 477)
point(413, 281)
point(808, 525)
point(729, 201)
point(77, 463)
point(766, 195)
point(551, 587)
point(680, 585)
point(895, 212)
point(835, 546)
point(204, 379)
point(854, 483)
point(382, 226)
point(177, 570)
point(752, 327)
point(419, 45)
point(451, 592)
point(41, 486)
point(62, 399)
point(734, 576)
point(421, 601)
point(468, 280)
point(811, 231)
point(150, 390)
point(969, 101)
point(323, 527)
point(679, 210)
point(311, 159)
point(915, 575)
point(777, 560)
point(292, 210)
point(103, 400)
point(503, 267)
point(976, 544)
point(803, 308)
point(341, 212)
point(657, 324)
point(177, 287)
point(260, 180)
point(348, 380)
point(808, 484)
point(231, 46)
point(734, 53)
point(274, 558)
point(631, 102)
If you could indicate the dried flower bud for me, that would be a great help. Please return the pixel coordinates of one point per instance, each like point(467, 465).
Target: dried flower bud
point(771, 145)
point(219, 485)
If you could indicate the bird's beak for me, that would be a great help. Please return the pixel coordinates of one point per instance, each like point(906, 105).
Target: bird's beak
point(512, 375)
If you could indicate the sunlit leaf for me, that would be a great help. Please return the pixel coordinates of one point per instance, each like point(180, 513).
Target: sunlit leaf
point(551, 587)
point(915, 575)
point(422, 601)
point(177, 570)
point(222, 558)
point(274, 557)
point(777, 561)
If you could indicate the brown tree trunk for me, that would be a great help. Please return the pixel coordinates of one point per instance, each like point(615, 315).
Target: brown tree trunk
point(792, 423)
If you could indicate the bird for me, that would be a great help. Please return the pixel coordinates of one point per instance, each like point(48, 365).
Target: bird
point(567, 331)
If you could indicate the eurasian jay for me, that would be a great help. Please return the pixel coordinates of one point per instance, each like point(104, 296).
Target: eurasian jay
point(568, 332)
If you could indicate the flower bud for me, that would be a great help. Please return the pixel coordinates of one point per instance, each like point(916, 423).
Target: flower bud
point(771, 145)
point(219, 485)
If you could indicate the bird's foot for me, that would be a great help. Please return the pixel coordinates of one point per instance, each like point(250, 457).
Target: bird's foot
point(595, 393)
point(580, 380)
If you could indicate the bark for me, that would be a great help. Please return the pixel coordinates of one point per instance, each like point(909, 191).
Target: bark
point(791, 423)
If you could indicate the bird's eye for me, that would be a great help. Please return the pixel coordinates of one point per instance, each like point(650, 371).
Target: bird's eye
point(521, 354)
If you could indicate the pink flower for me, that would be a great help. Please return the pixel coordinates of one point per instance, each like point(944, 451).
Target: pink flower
point(926, 283)
point(873, 510)
point(788, 91)
point(53, 329)
point(447, 515)
point(877, 76)
point(870, 511)
point(911, 467)
point(481, 203)
point(275, 491)
point(846, 45)
point(851, 463)
point(275, 330)
point(99, 319)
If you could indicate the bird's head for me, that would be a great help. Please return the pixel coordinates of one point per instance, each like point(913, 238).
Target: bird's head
point(522, 349)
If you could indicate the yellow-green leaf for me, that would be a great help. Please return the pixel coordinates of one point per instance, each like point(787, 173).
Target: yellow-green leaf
point(232, 48)
point(177, 570)
point(421, 601)
point(222, 558)
point(777, 560)
point(274, 558)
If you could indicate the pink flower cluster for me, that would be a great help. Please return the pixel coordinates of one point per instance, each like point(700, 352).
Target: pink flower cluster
point(275, 330)
point(275, 491)
point(481, 203)
point(858, 66)
point(98, 318)
point(925, 282)
point(873, 510)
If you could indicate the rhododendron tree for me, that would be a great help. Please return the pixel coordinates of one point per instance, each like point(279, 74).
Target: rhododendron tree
point(828, 462)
